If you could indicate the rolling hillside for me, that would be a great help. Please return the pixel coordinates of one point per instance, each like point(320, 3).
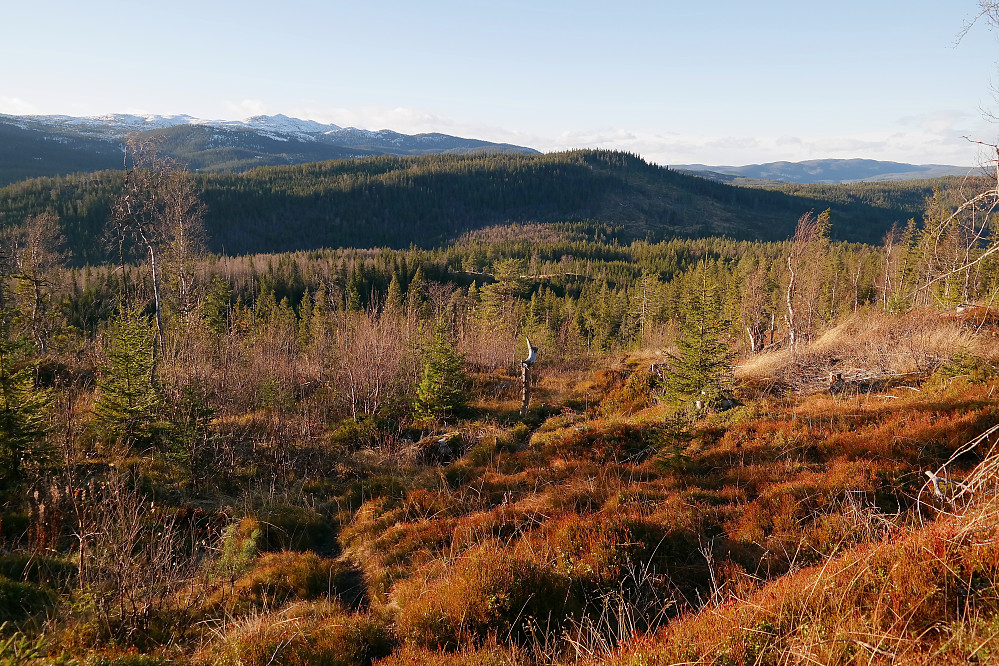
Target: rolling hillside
point(429, 200)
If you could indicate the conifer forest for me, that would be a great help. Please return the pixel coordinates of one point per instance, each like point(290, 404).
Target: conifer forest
point(496, 409)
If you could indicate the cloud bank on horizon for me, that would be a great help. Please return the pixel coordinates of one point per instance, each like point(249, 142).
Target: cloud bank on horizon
point(942, 137)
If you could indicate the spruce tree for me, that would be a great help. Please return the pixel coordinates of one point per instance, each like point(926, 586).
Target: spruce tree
point(441, 387)
point(128, 402)
point(701, 368)
point(355, 284)
point(416, 293)
point(23, 408)
point(393, 299)
point(215, 309)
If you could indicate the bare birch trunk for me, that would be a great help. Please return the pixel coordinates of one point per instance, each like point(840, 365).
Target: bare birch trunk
point(790, 304)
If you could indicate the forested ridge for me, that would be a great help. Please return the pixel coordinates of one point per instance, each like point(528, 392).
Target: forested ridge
point(431, 200)
point(25, 154)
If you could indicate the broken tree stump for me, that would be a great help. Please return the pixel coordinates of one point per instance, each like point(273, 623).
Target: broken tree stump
point(525, 377)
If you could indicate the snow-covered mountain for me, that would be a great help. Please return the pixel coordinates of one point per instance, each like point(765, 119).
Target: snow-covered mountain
point(119, 125)
point(50, 145)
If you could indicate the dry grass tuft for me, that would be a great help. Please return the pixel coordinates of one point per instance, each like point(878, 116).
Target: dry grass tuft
point(275, 579)
point(486, 591)
point(303, 634)
point(871, 350)
point(924, 597)
point(491, 654)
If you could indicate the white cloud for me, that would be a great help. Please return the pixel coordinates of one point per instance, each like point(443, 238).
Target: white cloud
point(15, 106)
point(919, 144)
point(930, 139)
point(247, 108)
point(407, 120)
point(789, 141)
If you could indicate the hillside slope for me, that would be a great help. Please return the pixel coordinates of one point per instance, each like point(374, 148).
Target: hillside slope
point(429, 200)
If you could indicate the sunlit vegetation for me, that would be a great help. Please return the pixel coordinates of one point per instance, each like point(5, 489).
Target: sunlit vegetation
point(319, 457)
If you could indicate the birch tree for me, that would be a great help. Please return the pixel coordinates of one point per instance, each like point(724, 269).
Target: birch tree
point(806, 259)
point(159, 210)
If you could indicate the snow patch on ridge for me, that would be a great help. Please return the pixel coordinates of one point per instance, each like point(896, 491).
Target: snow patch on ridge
point(114, 127)
point(118, 125)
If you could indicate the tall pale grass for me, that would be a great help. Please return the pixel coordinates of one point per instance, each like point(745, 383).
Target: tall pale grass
point(869, 346)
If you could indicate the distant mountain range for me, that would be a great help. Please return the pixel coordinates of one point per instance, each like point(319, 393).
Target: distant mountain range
point(32, 146)
point(821, 172)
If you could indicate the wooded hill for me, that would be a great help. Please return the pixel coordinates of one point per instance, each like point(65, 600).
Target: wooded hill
point(25, 154)
point(431, 200)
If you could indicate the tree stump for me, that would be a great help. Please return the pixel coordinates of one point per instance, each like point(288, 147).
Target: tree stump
point(525, 390)
point(525, 377)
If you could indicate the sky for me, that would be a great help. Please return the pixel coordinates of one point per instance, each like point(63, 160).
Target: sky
point(677, 82)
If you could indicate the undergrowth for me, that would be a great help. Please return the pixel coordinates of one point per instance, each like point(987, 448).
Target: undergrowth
point(793, 528)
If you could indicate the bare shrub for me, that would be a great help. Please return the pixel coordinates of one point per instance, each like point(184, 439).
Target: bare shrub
point(374, 360)
point(135, 565)
point(487, 347)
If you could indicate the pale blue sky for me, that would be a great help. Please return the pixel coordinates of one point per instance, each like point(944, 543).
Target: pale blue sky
point(723, 82)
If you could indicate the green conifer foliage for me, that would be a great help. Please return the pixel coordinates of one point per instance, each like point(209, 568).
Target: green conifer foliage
point(128, 401)
point(23, 409)
point(355, 287)
point(416, 293)
point(441, 387)
point(701, 368)
point(305, 320)
point(215, 309)
point(393, 299)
